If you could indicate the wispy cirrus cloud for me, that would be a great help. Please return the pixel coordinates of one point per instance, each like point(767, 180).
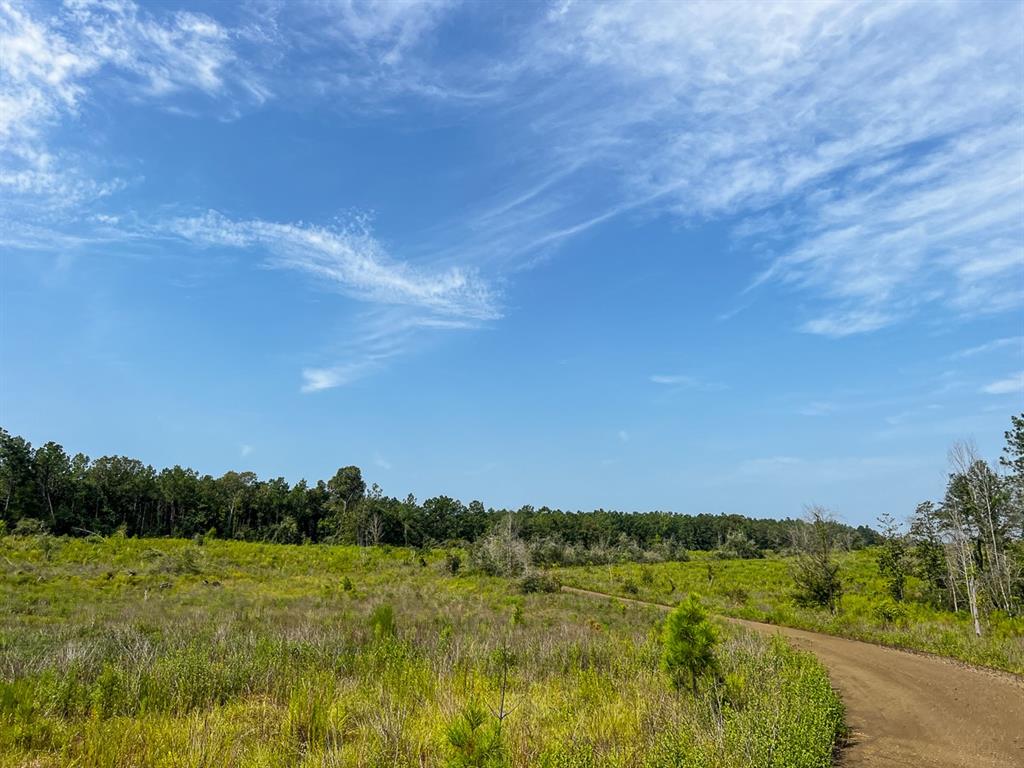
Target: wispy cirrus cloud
point(383, 31)
point(879, 148)
point(405, 301)
point(53, 64)
point(350, 259)
point(372, 51)
point(818, 408)
point(684, 381)
point(376, 337)
point(159, 55)
point(1011, 385)
point(1017, 342)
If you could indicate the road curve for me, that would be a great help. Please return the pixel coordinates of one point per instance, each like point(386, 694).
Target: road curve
point(909, 709)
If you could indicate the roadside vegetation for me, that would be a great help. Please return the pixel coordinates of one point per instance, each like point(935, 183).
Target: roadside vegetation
point(161, 652)
point(949, 580)
point(765, 590)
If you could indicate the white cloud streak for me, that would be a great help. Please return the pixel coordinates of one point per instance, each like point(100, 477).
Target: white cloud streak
point(352, 260)
point(684, 381)
point(1011, 385)
point(409, 300)
point(991, 346)
point(384, 30)
point(818, 408)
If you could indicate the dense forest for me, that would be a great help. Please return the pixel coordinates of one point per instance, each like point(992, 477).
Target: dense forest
point(45, 488)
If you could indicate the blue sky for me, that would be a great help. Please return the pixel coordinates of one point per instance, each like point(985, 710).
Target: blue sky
point(697, 257)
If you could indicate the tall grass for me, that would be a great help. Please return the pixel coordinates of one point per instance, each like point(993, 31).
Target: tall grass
point(762, 590)
point(136, 653)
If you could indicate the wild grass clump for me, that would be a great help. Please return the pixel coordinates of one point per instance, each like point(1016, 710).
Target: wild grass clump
point(315, 717)
point(382, 621)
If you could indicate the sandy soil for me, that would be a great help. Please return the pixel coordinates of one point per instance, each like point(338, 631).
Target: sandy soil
point(910, 709)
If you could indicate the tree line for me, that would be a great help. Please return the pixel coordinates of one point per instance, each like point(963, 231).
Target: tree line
point(968, 547)
point(46, 488)
point(967, 550)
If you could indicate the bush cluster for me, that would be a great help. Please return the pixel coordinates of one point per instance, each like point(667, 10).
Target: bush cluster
point(538, 582)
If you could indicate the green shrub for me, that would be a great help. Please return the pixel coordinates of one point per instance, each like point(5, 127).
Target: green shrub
point(187, 560)
point(29, 526)
point(688, 643)
point(816, 569)
point(538, 582)
point(738, 546)
point(500, 553)
point(888, 611)
point(452, 562)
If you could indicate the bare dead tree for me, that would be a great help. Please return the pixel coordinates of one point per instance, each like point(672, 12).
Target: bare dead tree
point(375, 528)
point(960, 536)
point(987, 503)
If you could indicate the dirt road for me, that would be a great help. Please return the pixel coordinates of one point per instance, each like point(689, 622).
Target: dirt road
point(913, 710)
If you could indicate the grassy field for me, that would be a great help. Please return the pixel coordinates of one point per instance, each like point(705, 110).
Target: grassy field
point(762, 590)
point(124, 652)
